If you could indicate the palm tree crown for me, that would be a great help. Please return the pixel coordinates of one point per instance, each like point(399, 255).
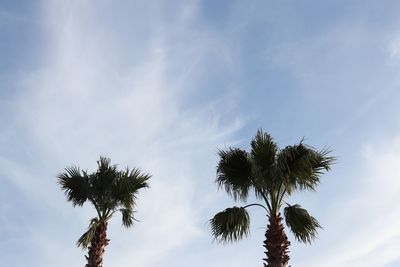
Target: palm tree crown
point(108, 190)
point(271, 174)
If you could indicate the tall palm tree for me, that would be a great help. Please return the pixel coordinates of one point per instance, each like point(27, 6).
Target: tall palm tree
point(108, 190)
point(272, 175)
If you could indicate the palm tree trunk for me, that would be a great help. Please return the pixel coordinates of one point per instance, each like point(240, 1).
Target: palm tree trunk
point(97, 246)
point(276, 243)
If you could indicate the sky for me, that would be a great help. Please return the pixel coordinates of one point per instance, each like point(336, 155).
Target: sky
point(162, 85)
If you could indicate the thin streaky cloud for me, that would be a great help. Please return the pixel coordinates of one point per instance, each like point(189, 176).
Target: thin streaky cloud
point(162, 86)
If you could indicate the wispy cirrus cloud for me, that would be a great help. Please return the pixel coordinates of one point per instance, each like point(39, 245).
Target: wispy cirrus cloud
point(122, 89)
point(363, 223)
point(160, 86)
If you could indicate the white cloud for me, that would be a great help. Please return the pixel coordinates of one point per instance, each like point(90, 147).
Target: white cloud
point(363, 226)
point(394, 48)
point(124, 79)
point(91, 99)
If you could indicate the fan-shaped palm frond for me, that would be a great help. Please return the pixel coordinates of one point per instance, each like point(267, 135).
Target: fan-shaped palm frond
point(300, 166)
point(263, 156)
point(263, 150)
point(230, 225)
point(125, 190)
point(75, 184)
point(233, 173)
point(105, 176)
point(301, 223)
point(127, 217)
point(86, 238)
point(128, 184)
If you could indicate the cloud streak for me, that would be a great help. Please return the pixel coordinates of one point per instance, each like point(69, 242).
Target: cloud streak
point(159, 86)
point(364, 223)
point(96, 97)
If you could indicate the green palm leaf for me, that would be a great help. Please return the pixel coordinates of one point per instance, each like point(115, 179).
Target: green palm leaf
point(233, 173)
point(263, 150)
point(301, 223)
point(127, 217)
point(300, 166)
point(75, 185)
point(125, 190)
point(86, 238)
point(230, 225)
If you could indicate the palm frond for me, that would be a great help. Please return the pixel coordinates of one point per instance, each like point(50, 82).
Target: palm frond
point(75, 185)
point(86, 238)
point(105, 176)
point(230, 225)
point(127, 217)
point(303, 226)
point(127, 185)
point(102, 182)
point(233, 172)
point(137, 180)
point(263, 150)
point(104, 164)
point(300, 166)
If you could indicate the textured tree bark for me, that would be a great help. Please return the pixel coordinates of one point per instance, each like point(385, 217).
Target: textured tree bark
point(97, 246)
point(276, 243)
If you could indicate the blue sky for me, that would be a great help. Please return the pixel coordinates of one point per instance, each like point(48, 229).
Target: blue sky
point(161, 86)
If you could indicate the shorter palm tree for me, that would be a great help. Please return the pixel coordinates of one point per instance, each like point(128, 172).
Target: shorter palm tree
point(272, 175)
point(108, 190)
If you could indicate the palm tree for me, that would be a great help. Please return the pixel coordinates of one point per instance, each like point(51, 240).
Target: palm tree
point(272, 175)
point(108, 190)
